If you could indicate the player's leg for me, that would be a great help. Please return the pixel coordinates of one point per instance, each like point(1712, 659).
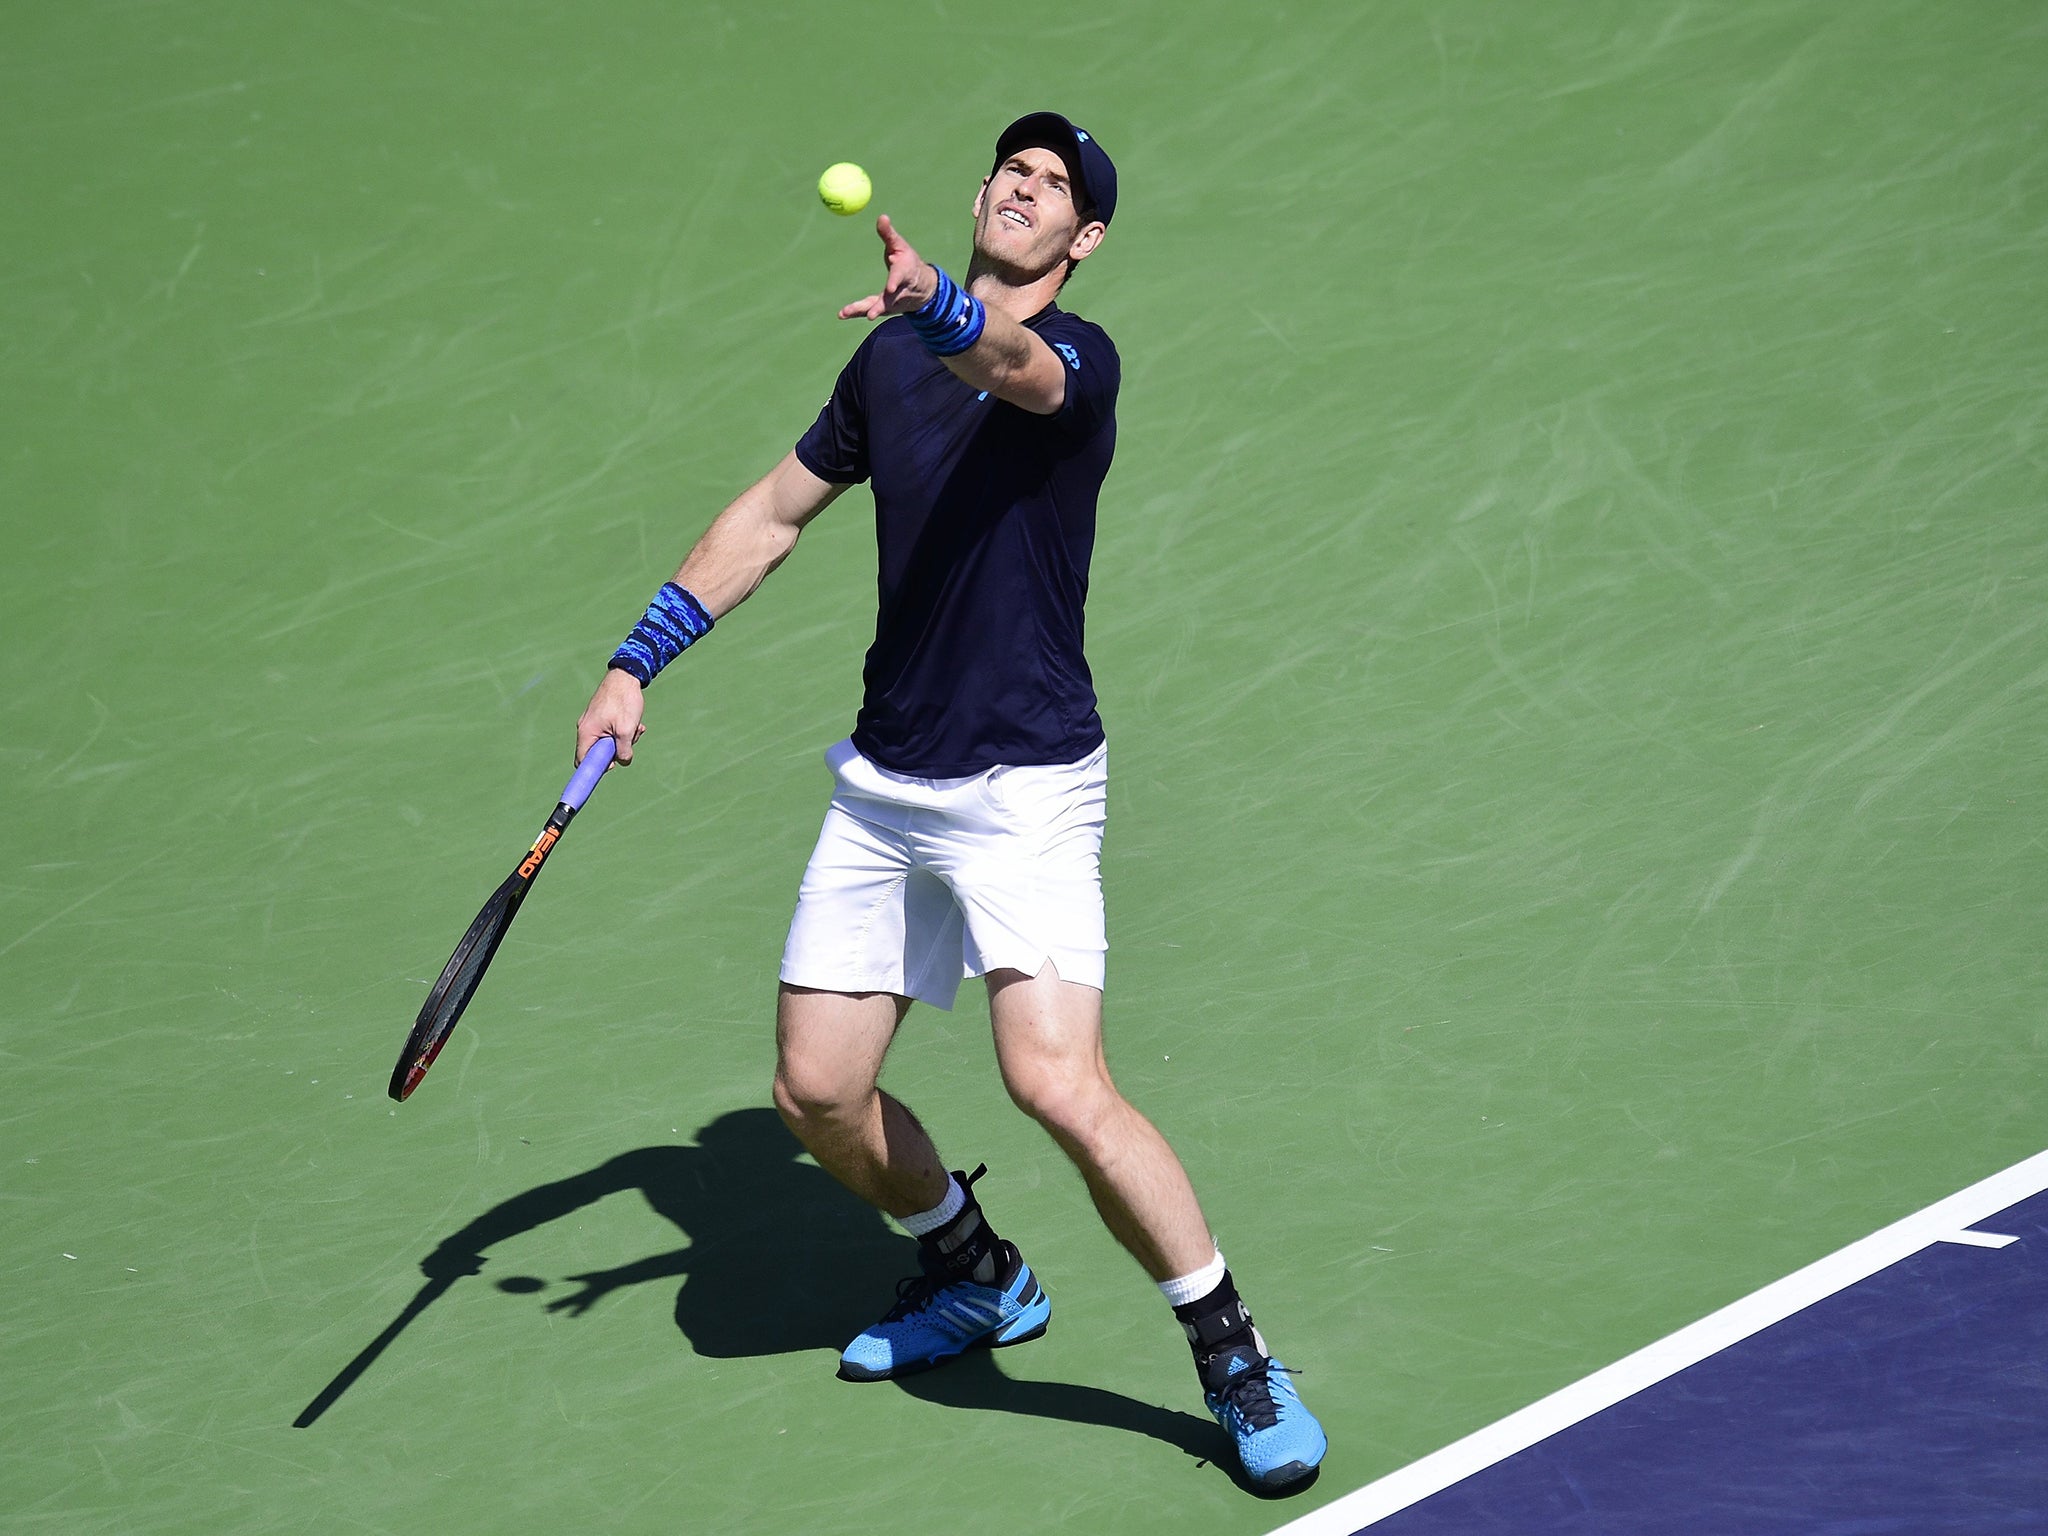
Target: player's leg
point(1023, 859)
point(872, 931)
point(973, 1289)
point(829, 1048)
point(1048, 1034)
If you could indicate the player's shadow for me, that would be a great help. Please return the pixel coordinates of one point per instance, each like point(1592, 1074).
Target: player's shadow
point(780, 1258)
point(976, 1381)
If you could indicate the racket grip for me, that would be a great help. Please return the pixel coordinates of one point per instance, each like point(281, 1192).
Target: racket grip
point(589, 771)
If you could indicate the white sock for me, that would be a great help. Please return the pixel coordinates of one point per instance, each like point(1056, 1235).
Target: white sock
point(952, 1205)
point(1194, 1287)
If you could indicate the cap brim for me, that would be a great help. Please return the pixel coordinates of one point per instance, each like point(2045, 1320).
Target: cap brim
point(1048, 130)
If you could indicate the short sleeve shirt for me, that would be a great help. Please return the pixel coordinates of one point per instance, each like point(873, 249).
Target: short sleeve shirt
point(985, 522)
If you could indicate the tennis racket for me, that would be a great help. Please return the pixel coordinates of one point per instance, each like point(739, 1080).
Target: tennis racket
point(465, 968)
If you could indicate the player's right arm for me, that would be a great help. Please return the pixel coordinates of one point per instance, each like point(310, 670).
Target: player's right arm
point(744, 543)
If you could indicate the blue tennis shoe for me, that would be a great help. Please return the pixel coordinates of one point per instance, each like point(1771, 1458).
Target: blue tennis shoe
point(937, 1317)
point(1278, 1440)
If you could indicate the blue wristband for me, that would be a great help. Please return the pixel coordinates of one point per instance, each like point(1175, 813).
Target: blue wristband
point(951, 320)
point(674, 621)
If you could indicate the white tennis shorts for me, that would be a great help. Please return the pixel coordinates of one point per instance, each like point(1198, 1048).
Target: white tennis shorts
point(917, 884)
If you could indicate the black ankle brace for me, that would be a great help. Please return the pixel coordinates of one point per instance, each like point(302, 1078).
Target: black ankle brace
point(962, 1244)
point(1217, 1322)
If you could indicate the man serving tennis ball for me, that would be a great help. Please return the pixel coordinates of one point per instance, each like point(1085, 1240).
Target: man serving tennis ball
point(966, 819)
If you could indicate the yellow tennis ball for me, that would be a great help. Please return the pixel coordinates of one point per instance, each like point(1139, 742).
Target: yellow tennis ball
point(845, 188)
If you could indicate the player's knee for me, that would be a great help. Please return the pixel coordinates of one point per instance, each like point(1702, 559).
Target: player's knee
point(809, 1098)
point(1069, 1102)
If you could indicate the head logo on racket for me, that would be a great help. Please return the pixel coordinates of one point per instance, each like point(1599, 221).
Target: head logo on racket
point(541, 846)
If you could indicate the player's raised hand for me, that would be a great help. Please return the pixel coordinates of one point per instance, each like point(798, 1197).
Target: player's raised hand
point(907, 285)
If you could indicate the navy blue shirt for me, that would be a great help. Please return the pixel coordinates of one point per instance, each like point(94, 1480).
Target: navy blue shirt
point(985, 521)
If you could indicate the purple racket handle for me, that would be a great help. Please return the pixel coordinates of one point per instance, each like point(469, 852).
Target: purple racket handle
point(589, 771)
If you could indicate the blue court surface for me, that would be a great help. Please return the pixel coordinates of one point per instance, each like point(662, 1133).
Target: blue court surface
point(1900, 1385)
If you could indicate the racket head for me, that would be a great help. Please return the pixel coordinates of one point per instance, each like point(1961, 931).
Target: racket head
point(457, 984)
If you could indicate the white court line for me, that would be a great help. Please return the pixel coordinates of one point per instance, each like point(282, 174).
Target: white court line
point(1944, 1221)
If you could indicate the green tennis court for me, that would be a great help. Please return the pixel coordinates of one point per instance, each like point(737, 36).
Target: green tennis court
point(1569, 612)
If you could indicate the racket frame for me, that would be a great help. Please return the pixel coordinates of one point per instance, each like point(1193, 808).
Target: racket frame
point(439, 1015)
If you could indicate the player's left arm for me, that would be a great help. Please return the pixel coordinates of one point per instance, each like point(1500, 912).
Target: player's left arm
point(1014, 364)
point(1008, 361)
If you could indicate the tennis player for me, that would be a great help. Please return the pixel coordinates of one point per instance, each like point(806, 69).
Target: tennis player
point(966, 818)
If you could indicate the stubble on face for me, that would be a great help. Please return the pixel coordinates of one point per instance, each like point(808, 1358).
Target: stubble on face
point(1027, 216)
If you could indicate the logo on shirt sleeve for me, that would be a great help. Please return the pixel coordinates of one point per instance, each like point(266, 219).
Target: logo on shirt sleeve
point(1073, 357)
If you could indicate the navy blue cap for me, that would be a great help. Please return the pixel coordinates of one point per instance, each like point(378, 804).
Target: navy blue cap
point(1086, 162)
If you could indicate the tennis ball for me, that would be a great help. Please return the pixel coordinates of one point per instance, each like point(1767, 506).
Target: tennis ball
point(844, 188)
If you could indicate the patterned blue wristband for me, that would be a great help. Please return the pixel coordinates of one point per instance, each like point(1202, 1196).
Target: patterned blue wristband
point(674, 622)
point(951, 320)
